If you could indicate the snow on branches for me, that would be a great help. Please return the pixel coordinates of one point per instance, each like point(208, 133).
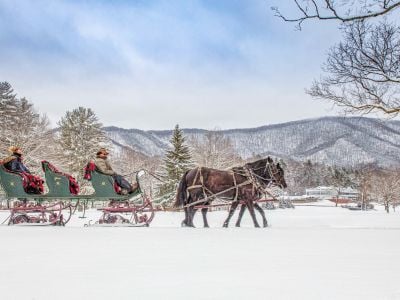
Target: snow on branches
point(80, 137)
point(21, 125)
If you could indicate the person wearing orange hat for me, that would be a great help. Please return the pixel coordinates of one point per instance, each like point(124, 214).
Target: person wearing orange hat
point(103, 166)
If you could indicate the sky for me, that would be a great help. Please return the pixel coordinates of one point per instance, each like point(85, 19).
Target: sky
point(153, 64)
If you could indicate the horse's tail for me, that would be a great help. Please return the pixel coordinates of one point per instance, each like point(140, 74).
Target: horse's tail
point(181, 193)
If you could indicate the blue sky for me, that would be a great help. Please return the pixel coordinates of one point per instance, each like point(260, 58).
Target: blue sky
point(152, 64)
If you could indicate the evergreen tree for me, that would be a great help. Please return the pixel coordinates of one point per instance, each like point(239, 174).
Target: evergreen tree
point(21, 125)
point(81, 136)
point(176, 162)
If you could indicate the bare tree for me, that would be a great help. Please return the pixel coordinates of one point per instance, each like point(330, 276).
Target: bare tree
point(344, 11)
point(363, 181)
point(214, 150)
point(363, 71)
point(386, 188)
point(128, 162)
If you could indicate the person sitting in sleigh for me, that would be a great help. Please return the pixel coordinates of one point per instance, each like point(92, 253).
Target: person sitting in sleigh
point(103, 166)
point(32, 184)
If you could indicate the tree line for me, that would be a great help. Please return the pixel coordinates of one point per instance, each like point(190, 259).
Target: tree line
point(79, 135)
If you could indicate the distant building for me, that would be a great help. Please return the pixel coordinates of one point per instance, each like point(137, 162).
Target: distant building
point(329, 192)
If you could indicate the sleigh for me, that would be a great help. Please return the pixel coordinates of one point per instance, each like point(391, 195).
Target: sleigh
point(58, 205)
point(132, 210)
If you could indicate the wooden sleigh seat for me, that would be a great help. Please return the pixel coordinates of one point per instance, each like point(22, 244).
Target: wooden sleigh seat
point(57, 183)
point(104, 186)
point(12, 184)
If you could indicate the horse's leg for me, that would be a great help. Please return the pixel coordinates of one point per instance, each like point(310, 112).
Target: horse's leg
point(231, 212)
point(185, 222)
point(192, 212)
point(204, 212)
point(250, 206)
point(262, 213)
point(241, 213)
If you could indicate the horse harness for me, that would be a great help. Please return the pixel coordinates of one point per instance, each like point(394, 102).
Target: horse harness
point(247, 172)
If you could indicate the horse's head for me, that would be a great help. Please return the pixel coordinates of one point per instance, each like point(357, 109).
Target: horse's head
point(268, 172)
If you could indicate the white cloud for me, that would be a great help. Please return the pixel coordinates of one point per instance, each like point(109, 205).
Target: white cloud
point(154, 65)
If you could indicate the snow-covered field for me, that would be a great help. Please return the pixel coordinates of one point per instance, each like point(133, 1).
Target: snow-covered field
point(307, 253)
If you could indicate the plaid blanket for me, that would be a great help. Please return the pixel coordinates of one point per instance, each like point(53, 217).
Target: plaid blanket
point(33, 184)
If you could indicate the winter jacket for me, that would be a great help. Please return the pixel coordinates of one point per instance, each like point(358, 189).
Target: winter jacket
point(103, 166)
point(32, 184)
point(14, 163)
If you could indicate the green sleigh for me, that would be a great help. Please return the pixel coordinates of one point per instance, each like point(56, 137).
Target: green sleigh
point(58, 205)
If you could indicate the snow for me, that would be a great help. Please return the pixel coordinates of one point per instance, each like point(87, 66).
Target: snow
point(311, 252)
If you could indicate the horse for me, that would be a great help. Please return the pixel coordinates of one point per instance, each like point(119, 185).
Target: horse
point(202, 185)
point(278, 177)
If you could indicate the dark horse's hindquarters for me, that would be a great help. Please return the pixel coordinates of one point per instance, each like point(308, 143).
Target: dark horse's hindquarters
point(202, 185)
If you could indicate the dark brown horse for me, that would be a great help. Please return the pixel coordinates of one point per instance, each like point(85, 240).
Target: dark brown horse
point(243, 207)
point(200, 186)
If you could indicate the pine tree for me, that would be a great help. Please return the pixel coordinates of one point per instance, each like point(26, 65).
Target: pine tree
point(81, 136)
point(177, 161)
point(21, 125)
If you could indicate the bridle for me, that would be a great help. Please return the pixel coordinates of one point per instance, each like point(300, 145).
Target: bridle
point(272, 179)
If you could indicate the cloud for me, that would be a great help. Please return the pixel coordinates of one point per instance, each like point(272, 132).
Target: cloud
point(151, 64)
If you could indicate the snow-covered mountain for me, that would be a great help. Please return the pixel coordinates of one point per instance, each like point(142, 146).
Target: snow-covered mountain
point(333, 140)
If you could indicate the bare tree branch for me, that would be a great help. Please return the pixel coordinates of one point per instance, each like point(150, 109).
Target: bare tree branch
point(345, 11)
point(363, 71)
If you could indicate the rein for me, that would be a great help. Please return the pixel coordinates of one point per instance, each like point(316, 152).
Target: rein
point(214, 195)
point(252, 178)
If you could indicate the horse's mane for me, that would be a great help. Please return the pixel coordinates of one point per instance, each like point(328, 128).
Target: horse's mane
point(252, 165)
point(259, 163)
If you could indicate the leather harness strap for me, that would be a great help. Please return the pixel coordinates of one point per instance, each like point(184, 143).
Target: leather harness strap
point(251, 179)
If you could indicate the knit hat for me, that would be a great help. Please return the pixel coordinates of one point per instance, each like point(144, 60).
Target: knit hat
point(12, 149)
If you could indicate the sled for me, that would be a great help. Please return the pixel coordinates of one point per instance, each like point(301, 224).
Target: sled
point(58, 204)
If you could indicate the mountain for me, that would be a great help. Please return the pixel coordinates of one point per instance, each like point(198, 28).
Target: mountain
point(345, 141)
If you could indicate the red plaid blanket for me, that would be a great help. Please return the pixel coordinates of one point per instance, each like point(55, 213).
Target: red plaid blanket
point(33, 184)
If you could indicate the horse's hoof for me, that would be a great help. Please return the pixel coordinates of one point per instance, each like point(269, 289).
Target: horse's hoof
point(257, 226)
point(206, 226)
point(225, 225)
point(237, 225)
point(265, 225)
point(183, 224)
